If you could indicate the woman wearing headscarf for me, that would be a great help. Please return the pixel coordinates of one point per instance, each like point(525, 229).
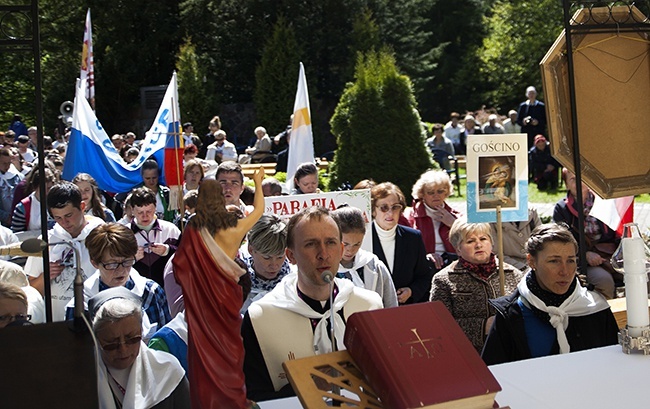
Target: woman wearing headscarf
point(130, 375)
point(550, 312)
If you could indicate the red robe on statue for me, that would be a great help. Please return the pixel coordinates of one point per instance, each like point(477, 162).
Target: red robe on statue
point(212, 303)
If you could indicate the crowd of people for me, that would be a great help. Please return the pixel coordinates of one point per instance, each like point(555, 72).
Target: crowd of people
point(170, 291)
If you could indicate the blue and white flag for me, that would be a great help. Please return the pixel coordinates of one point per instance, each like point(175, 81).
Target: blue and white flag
point(91, 151)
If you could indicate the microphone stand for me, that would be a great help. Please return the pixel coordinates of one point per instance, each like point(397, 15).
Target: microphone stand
point(329, 278)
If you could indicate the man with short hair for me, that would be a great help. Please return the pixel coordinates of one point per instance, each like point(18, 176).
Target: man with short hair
point(32, 133)
point(151, 178)
point(492, 126)
point(72, 226)
point(10, 177)
point(190, 137)
point(118, 141)
point(25, 151)
point(292, 321)
point(452, 128)
point(510, 125)
point(221, 150)
point(129, 138)
point(531, 116)
point(271, 187)
point(438, 144)
point(231, 178)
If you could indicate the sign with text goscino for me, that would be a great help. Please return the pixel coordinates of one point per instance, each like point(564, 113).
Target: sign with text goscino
point(497, 175)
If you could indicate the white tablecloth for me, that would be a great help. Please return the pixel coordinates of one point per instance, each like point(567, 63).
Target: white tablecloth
point(602, 378)
point(599, 378)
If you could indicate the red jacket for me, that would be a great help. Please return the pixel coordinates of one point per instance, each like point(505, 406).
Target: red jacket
point(419, 220)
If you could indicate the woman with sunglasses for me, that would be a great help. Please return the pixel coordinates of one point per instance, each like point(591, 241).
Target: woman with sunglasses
point(112, 249)
point(400, 248)
point(130, 375)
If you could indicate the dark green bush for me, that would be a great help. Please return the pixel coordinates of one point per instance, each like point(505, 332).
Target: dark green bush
point(378, 128)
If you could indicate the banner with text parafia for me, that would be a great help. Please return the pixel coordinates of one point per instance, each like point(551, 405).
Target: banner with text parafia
point(286, 206)
point(497, 175)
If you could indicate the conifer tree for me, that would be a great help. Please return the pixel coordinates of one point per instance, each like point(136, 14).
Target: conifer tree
point(276, 78)
point(196, 103)
point(378, 128)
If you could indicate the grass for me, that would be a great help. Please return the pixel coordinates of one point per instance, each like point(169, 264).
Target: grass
point(534, 194)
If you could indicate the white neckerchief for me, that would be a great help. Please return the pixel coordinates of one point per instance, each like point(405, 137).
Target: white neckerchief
point(360, 260)
point(580, 303)
point(153, 377)
point(387, 240)
point(285, 295)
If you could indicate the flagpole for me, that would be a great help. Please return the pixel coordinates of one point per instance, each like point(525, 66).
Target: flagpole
point(177, 135)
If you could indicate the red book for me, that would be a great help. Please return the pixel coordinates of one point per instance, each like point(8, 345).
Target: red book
point(416, 356)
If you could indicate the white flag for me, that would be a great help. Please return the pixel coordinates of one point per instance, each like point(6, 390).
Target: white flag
point(87, 64)
point(614, 212)
point(301, 144)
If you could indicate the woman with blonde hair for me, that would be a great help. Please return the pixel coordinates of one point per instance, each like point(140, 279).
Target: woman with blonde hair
point(466, 285)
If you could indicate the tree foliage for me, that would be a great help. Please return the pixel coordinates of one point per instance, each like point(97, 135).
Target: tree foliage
point(195, 102)
point(377, 127)
point(276, 78)
point(519, 35)
point(459, 54)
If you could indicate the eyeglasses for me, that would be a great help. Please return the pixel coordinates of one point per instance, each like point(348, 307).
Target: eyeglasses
point(393, 208)
point(113, 266)
point(17, 317)
point(116, 345)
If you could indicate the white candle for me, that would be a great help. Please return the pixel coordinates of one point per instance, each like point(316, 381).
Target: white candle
point(636, 288)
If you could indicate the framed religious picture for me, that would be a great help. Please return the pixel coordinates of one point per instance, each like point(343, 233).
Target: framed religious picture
point(497, 177)
point(611, 71)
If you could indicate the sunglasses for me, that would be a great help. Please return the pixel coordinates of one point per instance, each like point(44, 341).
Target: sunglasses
point(116, 345)
point(393, 208)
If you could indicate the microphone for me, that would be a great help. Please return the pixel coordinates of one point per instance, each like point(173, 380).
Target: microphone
point(327, 276)
point(33, 246)
point(17, 249)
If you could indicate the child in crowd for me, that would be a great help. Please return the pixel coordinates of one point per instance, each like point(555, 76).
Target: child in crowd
point(361, 266)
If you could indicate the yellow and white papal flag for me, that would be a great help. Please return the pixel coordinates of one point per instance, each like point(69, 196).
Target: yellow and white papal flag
point(301, 144)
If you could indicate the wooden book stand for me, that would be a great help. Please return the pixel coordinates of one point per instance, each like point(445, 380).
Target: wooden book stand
point(316, 380)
